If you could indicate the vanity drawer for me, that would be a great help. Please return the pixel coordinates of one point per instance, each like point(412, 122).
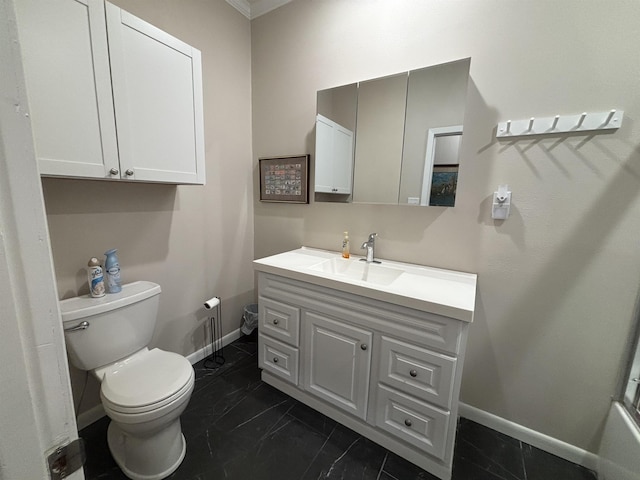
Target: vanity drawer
point(279, 320)
point(278, 359)
point(415, 422)
point(417, 371)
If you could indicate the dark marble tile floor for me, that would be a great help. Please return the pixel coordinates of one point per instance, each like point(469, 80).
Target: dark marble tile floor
point(237, 427)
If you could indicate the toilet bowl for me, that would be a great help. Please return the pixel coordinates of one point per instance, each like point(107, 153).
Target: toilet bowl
point(144, 398)
point(143, 391)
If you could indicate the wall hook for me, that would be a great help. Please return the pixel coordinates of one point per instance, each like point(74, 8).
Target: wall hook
point(554, 125)
point(581, 121)
point(531, 120)
point(610, 116)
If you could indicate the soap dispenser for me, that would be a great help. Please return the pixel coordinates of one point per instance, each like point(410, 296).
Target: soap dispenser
point(345, 245)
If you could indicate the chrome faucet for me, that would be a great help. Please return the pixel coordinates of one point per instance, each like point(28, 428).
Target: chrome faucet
point(369, 245)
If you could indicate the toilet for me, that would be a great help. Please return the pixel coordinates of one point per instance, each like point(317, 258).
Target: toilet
point(143, 391)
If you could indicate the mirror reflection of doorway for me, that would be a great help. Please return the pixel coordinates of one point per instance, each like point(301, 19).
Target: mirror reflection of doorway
point(440, 178)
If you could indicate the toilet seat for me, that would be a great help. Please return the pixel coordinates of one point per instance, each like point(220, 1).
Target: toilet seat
point(147, 383)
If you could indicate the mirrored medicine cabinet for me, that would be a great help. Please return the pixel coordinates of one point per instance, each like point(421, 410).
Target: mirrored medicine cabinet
point(393, 140)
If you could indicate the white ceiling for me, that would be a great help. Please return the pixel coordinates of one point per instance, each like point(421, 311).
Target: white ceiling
point(254, 8)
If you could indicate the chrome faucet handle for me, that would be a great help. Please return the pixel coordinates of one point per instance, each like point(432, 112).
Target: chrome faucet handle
point(372, 237)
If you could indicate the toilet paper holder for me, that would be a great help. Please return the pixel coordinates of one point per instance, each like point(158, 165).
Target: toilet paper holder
point(216, 359)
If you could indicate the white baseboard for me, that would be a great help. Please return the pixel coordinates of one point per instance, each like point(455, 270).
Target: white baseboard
point(96, 413)
point(532, 437)
point(88, 417)
point(205, 351)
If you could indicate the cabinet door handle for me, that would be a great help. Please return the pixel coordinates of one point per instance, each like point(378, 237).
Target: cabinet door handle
point(413, 373)
point(114, 171)
point(364, 346)
point(275, 321)
point(129, 172)
point(275, 359)
point(407, 422)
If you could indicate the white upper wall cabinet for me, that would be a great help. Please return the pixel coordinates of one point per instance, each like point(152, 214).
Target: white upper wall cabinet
point(157, 93)
point(91, 66)
point(66, 62)
point(334, 157)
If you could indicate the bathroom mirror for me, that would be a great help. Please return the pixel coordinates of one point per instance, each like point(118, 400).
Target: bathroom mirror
point(406, 135)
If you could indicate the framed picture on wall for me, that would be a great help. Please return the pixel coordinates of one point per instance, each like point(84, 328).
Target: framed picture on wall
point(284, 179)
point(444, 184)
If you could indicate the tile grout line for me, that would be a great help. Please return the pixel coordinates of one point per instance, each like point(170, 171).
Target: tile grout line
point(492, 462)
point(524, 466)
point(384, 462)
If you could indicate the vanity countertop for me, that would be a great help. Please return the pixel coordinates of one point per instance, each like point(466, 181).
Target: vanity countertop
point(435, 290)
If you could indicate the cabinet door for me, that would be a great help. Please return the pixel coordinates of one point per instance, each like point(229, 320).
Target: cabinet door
point(337, 362)
point(334, 157)
point(66, 63)
point(324, 155)
point(157, 90)
point(343, 155)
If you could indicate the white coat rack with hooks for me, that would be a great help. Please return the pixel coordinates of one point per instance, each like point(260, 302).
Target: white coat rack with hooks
point(583, 122)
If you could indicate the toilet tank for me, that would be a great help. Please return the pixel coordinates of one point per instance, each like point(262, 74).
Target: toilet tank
point(119, 324)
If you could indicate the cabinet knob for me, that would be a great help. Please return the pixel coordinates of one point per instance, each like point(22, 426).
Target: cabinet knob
point(407, 422)
point(275, 321)
point(114, 171)
point(275, 359)
point(129, 172)
point(413, 373)
point(364, 346)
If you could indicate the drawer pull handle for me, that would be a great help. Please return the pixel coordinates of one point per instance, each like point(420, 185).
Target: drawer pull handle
point(407, 422)
point(413, 373)
point(364, 346)
point(275, 359)
point(129, 172)
point(275, 321)
point(114, 171)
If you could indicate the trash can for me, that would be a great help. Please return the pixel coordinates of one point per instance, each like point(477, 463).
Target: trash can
point(250, 318)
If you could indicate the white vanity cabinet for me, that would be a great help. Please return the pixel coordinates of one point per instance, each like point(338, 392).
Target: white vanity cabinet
point(384, 369)
point(110, 96)
point(334, 157)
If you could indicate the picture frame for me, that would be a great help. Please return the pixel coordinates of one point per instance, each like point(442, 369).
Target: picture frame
point(444, 183)
point(284, 179)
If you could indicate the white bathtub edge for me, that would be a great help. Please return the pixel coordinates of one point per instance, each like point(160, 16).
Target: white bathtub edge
point(620, 446)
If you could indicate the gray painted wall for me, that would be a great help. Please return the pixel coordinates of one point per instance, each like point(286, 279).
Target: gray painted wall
point(558, 280)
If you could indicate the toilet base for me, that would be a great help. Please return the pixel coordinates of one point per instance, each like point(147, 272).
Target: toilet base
point(150, 457)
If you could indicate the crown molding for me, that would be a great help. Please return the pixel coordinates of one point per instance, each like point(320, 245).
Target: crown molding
point(242, 6)
point(254, 8)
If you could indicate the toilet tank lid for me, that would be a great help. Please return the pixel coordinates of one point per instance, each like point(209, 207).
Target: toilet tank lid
point(87, 306)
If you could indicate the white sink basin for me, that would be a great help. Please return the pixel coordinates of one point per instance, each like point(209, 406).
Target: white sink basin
point(358, 270)
point(434, 290)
